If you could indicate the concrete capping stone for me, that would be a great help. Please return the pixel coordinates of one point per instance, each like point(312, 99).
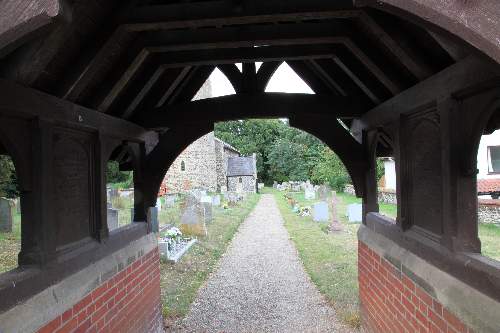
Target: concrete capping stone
point(472, 307)
point(30, 315)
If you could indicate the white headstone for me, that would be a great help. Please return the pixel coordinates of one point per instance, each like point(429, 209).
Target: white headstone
point(320, 212)
point(310, 193)
point(216, 200)
point(158, 203)
point(355, 212)
point(206, 199)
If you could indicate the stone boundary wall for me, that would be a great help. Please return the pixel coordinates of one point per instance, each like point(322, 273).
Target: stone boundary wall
point(387, 196)
point(489, 211)
point(400, 292)
point(120, 293)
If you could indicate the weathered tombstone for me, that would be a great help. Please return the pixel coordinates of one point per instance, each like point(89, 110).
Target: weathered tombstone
point(113, 193)
point(153, 217)
point(216, 200)
point(112, 217)
point(323, 192)
point(335, 226)
point(193, 218)
point(275, 184)
point(170, 200)
point(207, 211)
point(260, 186)
point(158, 203)
point(310, 194)
point(320, 212)
point(355, 212)
point(5, 215)
point(232, 197)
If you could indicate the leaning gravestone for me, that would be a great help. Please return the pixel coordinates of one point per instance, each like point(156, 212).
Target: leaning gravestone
point(320, 212)
point(5, 215)
point(355, 212)
point(153, 217)
point(193, 217)
point(310, 194)
point(216, 200)
point(112, 218)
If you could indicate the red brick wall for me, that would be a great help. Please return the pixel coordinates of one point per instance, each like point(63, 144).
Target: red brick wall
point(127, 302)
point(392, 302)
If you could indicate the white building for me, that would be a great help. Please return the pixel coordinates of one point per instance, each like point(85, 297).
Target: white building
point(488, 156)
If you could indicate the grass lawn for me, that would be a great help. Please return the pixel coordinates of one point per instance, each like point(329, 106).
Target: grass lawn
point(180, 282)
point(10, 245)
point(489, 234)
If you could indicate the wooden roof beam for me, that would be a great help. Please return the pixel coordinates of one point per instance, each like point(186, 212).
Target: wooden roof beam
point(262, 105)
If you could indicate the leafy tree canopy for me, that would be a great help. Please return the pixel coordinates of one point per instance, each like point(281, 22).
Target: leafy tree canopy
point(284, 153)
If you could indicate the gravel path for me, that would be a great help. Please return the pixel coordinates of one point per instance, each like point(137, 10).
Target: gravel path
point(260, 284)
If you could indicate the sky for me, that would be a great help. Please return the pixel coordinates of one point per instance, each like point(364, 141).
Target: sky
point(283, 80)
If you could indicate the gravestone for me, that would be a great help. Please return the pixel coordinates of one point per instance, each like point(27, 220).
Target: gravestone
point(112, 217)
point(320, 212)
point(355, 212)
point(109, 204)
point(323, 192)
point(153, 217)
point(5, 215)
point(232, 197)
point(208, 213)
point(198, 193)
point(112, 193)
point(310, 194)
point(18, 205)
point(193, 217)
point(275, 184)
point(158, 203)
point(170, 200)
point(335, 226)
point(260, 186)
point(216, 200)
point(206, 199)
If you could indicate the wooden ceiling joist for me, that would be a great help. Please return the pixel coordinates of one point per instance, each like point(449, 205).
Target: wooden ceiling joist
point(262, 105)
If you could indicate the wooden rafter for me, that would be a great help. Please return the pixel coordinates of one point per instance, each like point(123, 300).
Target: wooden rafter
point(262, 105)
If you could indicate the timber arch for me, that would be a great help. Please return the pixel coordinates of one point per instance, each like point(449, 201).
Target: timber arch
point(102, 73)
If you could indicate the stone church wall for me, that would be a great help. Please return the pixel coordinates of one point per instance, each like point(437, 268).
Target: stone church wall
point(248, 183)
point(200, 167)
point(222, 154)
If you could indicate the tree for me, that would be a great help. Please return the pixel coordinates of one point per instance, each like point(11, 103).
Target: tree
point(330, 169)
point(284, 153)
point(8, 178)
point(123, 179)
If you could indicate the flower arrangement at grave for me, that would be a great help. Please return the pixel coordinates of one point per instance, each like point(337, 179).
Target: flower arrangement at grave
point(174, 238)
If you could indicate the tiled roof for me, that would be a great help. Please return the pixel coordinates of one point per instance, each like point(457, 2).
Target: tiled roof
point(488, 185)
point(240, 166)
point(489, 202)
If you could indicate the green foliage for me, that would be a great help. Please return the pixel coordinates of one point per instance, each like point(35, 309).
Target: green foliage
point(330, 170)
point(8, 179)
point(120, 179)
point(284, 153)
